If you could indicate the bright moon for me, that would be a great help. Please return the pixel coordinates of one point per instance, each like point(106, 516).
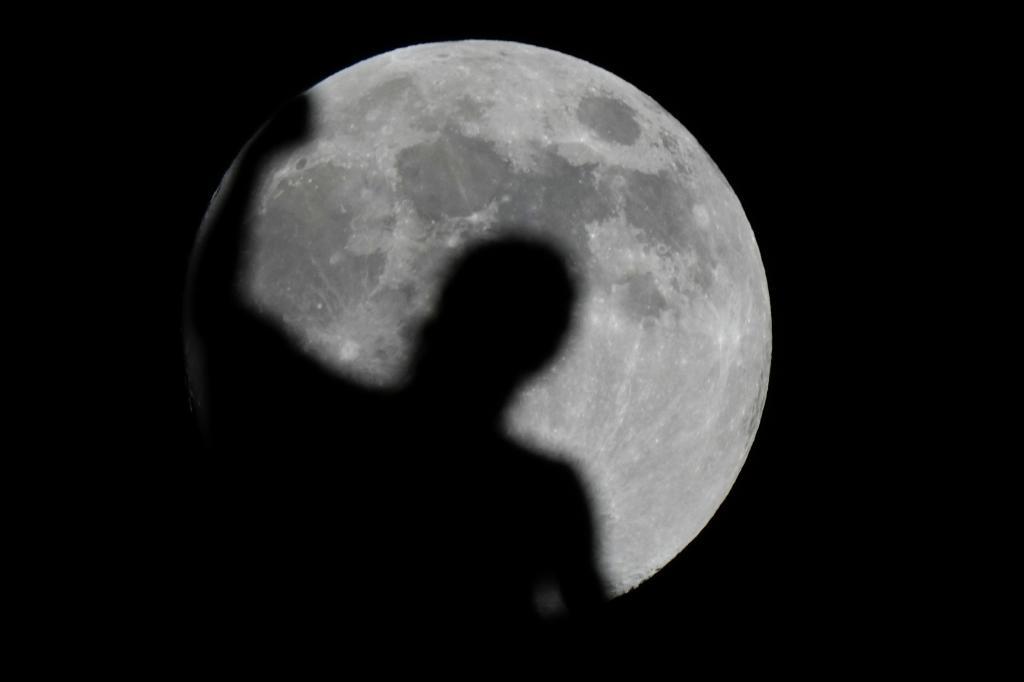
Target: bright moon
point(416, 153)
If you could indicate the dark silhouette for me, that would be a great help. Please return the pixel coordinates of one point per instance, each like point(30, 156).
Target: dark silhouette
point(341, 522)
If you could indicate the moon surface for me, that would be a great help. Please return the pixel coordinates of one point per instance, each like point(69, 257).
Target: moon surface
point(416, 153)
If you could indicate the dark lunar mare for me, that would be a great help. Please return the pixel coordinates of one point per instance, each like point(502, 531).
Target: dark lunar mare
point(341, 524)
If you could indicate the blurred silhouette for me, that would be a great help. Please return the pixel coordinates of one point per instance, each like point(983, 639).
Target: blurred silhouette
point(341, 521)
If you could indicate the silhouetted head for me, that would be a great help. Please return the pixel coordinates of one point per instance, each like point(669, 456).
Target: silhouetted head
point(503, 313)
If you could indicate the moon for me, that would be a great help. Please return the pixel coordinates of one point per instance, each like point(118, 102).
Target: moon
point(419, 152)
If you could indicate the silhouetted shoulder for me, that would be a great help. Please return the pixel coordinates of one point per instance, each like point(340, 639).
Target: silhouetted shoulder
point(560, 478)
point(555, 498)
point(572, 501)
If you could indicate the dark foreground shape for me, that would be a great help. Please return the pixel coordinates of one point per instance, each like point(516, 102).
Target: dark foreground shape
point(404, 528)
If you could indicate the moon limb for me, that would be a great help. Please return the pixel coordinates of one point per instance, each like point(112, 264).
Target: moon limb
point(657, 397)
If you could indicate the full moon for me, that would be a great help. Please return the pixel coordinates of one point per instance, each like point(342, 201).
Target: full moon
point(415, 154)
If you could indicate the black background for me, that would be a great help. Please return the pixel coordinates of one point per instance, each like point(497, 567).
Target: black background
point(811, 554)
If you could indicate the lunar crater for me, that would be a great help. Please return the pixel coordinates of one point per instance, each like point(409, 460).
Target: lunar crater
point(612, 119)
point(451, 176)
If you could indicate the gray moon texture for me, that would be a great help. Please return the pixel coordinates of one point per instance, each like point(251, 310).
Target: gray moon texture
point(416, 153)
